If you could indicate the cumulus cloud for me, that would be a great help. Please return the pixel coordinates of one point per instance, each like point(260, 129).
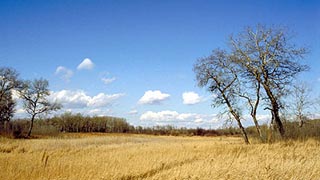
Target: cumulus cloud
point(64, 73)
point(102, 99)
point(191, 98)
point(108, 80)
point(79, 99)
point(85, 64)
point(167, 116)
point(153, 97)
point(159, 116)
point(262, 118)
point(71, 99)
point(98, 112)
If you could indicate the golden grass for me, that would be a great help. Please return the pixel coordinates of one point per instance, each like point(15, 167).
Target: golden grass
point(156, 157)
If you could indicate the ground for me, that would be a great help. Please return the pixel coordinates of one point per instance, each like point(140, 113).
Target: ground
point(118, 156)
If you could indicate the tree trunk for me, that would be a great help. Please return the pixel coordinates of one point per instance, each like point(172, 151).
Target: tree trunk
point(301, 120)
point(257, 126)
point(301, 123)
point(31, 126)
point(237, 117)
point(5, 127)
point(275, 110)
point(243, 132)
point(271, 128)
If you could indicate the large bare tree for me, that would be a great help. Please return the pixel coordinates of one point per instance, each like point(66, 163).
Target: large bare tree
point(34, 95)
point(218, 74)
point(269, 56)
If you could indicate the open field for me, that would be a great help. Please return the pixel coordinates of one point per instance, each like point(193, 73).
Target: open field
point(116, 156)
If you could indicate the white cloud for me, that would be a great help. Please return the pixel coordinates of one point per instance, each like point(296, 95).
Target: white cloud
point(159, 116)
point(186, 116)
point(71, 99)
point(191, 98)
point(198, 121)
point(64, 73)
point(15, 94)
point(98, 112)
point(153, 97)
point(20, 111)
point(102, 100)
point(133, 112)
point(108, 80)
point(79, 99)
point(86, 64)
point(20, 114)
point(189, 120)
point(262, 118)
point(167, 116)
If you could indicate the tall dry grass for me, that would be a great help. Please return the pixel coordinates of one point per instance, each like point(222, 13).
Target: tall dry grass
point(156, 157)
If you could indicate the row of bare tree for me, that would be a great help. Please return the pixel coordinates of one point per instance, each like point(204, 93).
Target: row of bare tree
point(258, 67)
point(69, 122)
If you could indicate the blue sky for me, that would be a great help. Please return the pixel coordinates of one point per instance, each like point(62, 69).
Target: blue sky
point(139, 53)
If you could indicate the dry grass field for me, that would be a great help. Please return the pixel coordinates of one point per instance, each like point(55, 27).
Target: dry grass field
point(101, 156)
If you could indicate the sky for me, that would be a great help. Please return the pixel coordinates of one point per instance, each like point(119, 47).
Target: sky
point(134, 58)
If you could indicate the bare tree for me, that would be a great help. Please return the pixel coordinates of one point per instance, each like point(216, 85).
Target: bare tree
point(253, 100)
point(218, 74)
point(8, 82)
point(267, 55)
point(7, 105)
point(301, 101)
point(34, 95)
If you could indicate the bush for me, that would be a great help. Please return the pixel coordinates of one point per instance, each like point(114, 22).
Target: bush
point(18, 128)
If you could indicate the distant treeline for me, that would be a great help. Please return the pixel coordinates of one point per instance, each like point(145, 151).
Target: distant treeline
point(75, 123)
point(71, 123)
point(174, 131)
